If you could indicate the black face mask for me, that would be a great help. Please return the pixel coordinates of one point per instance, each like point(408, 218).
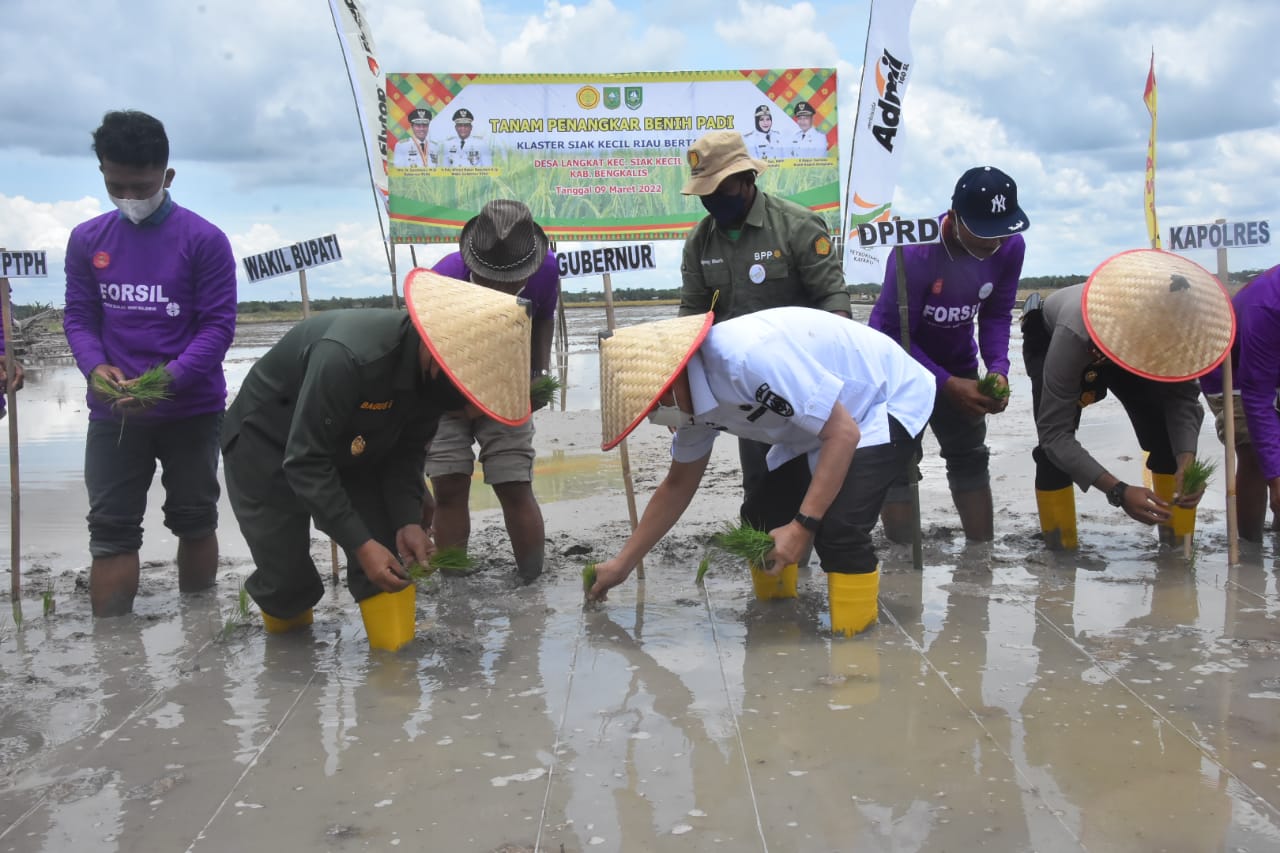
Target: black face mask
point(443, 394)
point(726, 210)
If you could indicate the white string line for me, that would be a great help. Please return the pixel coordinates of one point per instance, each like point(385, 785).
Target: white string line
point(742, 747)
point(564, 715)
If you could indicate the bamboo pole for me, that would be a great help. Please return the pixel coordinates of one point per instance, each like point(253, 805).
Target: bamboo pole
point(1229, 431)
point(15, 495)
point(302, 288)
point(913, 478)
point(626, 458)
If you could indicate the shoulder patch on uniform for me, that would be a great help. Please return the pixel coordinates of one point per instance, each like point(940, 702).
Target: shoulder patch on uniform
point(822, 245)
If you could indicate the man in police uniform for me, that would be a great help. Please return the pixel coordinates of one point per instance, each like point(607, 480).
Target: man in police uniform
point(333, 423)
point(752, 252)
point(763, 142)
point(808, 141)
point(415, 152)
point(462, 150)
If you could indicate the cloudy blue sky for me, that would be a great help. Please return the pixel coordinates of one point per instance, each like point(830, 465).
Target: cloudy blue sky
point(266, 143)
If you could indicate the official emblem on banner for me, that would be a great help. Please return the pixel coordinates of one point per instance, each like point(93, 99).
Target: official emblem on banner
point(635, 97)
point(612, 97)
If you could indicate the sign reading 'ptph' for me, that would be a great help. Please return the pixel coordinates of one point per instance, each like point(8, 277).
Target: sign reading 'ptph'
point(23, 265)
point(300, 256)
point(899, 232)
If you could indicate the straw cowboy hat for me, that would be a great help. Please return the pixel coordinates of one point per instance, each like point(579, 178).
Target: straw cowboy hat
point(1159, 315)
point(638, 364)
point(480, 338)
point(503, 243)
point(715, 156)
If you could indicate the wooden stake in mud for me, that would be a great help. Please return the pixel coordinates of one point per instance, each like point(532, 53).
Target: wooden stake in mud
point(622, 447)
point(1229, 430)
point(15, 497)
point(913, 475)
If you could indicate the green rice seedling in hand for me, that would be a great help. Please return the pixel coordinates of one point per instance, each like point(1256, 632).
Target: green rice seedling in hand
point(588, 577)
point(744, 541)
point(543, 390)
point(148, 389)
point(991, 386)
point(419, 573)
point(1196, 475)
point(452, 559)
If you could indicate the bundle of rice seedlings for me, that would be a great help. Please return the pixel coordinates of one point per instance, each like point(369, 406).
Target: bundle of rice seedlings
point(992, 388)
point(148, 389)
point(419, 573)
point(744, 541)
point(1196, 475)
point(452, 559)
point(588, 577)
point(542, 391)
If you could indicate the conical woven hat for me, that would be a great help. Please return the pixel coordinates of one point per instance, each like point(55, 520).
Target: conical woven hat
point(638, 365)
point(480, 337)
point(1159, 315)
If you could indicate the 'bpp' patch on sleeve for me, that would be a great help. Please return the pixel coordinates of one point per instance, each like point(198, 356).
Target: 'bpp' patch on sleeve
point(822, 246)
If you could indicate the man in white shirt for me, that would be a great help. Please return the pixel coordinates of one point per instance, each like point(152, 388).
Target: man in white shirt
point(815, 387)
point(415, 151)
point(809, 141)
point(462, 150)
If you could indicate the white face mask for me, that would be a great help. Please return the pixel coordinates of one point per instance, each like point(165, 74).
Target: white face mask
point(138, 209)
point(670, 416)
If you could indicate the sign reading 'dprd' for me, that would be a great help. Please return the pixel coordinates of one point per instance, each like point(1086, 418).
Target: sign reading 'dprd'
point(23, 265)
point(1220, 235)
point(300, 256)
point(898, 232)
point(637, 256)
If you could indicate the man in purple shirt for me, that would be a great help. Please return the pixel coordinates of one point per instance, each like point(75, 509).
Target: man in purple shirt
point(504, 249)
point(971, 275)
point(1255, 359)
point(150, 284)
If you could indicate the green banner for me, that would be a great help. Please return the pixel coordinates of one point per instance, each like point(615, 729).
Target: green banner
point(598, 157)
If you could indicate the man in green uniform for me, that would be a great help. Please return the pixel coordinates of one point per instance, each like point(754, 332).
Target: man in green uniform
point(333, 423)
point(754, 251)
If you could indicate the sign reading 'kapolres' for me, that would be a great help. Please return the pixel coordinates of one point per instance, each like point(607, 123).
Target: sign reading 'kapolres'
point(1219, 235)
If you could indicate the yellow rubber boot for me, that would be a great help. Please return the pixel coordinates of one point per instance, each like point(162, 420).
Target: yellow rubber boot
point(276, 625)
point(781, 585)
point(1058, 518)
point(853, 601)
point(1183, 520)
point(389, 617)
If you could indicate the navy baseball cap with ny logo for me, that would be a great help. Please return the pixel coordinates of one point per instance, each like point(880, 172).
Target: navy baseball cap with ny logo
point(986, 200)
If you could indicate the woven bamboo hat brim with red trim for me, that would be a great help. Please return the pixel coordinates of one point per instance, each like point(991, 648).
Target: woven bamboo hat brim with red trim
point(480, 337)
point(1159, 315)
point(637, 366)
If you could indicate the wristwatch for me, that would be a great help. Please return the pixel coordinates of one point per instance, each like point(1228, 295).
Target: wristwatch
point(1115, 494)
point(808, 522)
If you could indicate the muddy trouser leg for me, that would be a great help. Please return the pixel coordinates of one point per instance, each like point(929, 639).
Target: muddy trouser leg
point(771, 498)
point(365, 494)
point(276, 527)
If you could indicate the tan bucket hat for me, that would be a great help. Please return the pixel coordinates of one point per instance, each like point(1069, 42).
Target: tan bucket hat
point(1159, 315)
point(480, 337)
point(637, 366)
point(715, 156)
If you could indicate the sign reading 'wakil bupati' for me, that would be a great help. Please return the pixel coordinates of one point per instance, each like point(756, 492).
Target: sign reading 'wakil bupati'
point(23, 265)
point(1219, 235)
point(300, 256)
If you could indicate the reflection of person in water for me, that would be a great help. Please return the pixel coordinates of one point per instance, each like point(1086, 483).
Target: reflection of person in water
point(415, 151)
point(764, 143)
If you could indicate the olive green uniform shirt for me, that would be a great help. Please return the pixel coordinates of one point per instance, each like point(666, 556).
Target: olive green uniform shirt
point(783, 256)
point(341, 395)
